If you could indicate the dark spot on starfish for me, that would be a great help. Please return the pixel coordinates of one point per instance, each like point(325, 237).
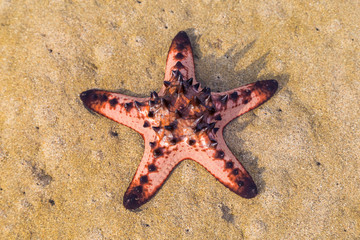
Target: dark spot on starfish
point(113, 102)
point(234, 96)
point(212, 110)
point(218, 117)
point(196, 86)
point(189, 81)
point(138, 189)
point(196, 101)
point(213, 143)
point(219, 154)
point(104, 98)
point(174, 141)
point(215, 130)
point(171, 126)
point(164, 102)
point(206, 90)
point(229, 164)
point(179, 65)
point(200, 126)
point(131, 201)
point(180, 46)
point(240, 183)
point(178, 114)
point(94, 97)
point(223, 99)
point(179, 56)
point(144, 179)
point(152, 168)
point(191, 142)
point(114, 134)
point(235, 171)
point(52, 202)
point(151, 114)
point(167, 83)
point(146, 124)
point(154, 95)
point(158, 152)
point(156, 129)
point(128, 106)
point(245, 101)
point(151, 103)
point(176, 73)
point(138, 105)
point(247, 92)
point(181, 88)
point(211, 125)
point(152, 144)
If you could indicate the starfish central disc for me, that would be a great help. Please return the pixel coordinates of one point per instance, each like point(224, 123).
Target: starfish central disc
point(182, 114)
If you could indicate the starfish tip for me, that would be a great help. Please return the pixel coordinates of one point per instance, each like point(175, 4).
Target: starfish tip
point(84, 96)
point(90, 96)
point(131, 201)
point(249, 188)
point(269, 86)
point(182, 36)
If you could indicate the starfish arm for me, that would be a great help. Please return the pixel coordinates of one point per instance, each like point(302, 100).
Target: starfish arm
point(224, 166)
point(238, 101)
point(152, 172)
point(180, 57)
point(129, 111)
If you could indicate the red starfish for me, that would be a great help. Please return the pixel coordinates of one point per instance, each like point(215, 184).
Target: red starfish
point(182, 121)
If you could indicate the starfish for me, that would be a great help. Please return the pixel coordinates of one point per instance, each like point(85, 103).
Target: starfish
point(182, 121)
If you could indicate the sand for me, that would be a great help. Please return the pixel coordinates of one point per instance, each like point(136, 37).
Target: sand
point(63, 171)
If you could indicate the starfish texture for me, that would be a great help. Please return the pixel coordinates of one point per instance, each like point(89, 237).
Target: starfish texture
point(182, 121)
